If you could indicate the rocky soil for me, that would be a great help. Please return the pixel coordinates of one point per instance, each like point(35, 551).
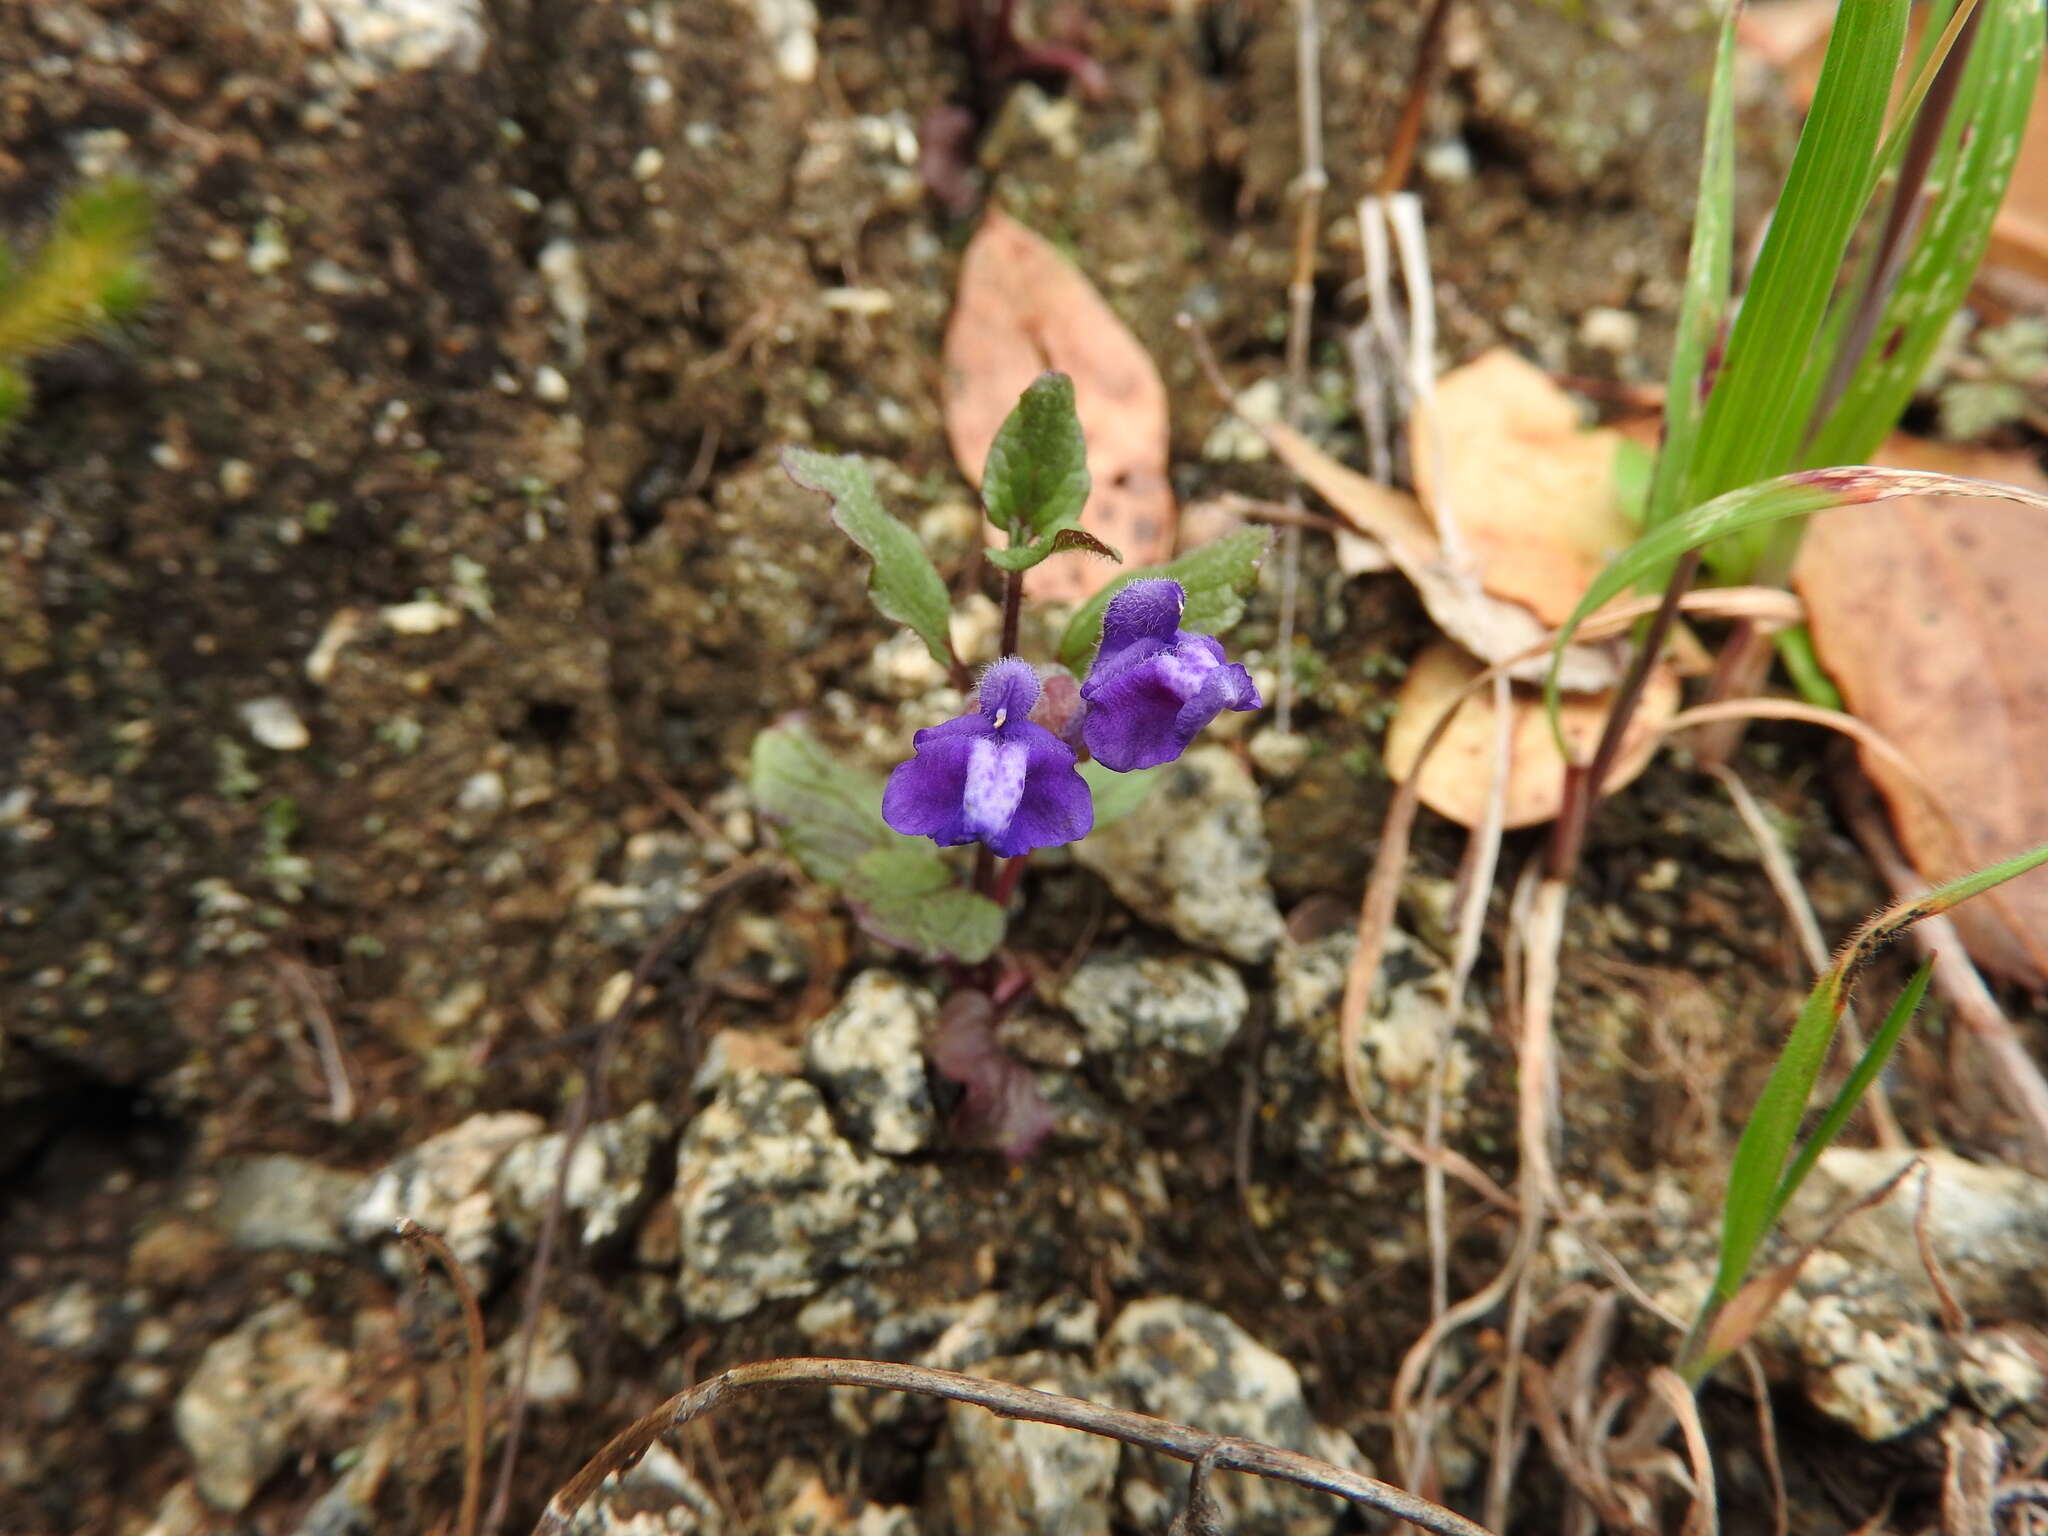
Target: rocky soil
point(388, 615)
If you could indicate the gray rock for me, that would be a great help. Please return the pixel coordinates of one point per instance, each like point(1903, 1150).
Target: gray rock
point(1194, 856)
point(608, 1183)
point(660, 878)
point(285, 1202)
point(991, 1476)
point(390, 37)
point(444, 1184)
point(1159, 1020)
point(1987, 1225)
point(1304, 1070)
point(774, 1202)
point(656, 1496)
point(73, 1318)
point(867, 1054)
point(254, 1391)
point(1862, 1348)
point(1184, 1361)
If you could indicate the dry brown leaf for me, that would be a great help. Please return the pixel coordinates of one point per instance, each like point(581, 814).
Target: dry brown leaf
point(1020, 309)
point(1459, 773)
point(1491, 628)
point(1927, 614)
point(1501, 450)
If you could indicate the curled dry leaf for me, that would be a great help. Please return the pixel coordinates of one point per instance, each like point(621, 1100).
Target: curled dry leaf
point(1022, 308)
point(1459, 773)
point(1927, 614)
point(1491, 628)
point(1499, 449)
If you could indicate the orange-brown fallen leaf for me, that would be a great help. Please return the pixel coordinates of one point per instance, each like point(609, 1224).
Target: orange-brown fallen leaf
point(1500, 450)
point(1928, 615)
point(1459, 773)
point(1020, 309)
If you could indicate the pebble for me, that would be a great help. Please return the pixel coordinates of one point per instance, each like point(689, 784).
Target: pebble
point(279, 1201)
point(1159, 1020)
point(385, 38)
point(444, 1185)
point(774, 1201)
point(1183, 1361)
point(276, 725)
point(255, 1390)
point(867, 1054)
point(656, 1496)
point(608, 1183)
point(991, 1476)
point(1194, 857)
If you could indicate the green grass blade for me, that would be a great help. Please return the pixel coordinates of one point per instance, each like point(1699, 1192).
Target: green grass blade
point(1754, 1175)
point(1757, 414)
point(1796, 495)
point(1708, 276)
point(1875, 1055)
point(1967, 182)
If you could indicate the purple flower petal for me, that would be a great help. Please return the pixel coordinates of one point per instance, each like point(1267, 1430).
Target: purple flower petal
point(1055, 807)
point(996, 768)
point(1008, 690)
point(924, 795)
point(1142, 619)
point(1226, 687)
point(1131, 720)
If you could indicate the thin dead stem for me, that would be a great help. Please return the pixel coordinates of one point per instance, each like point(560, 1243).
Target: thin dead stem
point(473, 1373)
point(1010, 1402)
point(1301, 298)
point(341, 1093)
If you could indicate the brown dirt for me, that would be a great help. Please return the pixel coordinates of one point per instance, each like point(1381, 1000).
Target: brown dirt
point(637, 590)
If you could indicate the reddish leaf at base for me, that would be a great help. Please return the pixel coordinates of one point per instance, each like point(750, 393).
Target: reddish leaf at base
point(1927, 613)
point(1021, 309)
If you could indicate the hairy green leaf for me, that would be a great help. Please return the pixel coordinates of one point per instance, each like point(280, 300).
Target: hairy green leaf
point(905, 585)
point(907, 896)
point(1216, 576)
point(1116, 795)
point(829, 815)
point(1035, 480)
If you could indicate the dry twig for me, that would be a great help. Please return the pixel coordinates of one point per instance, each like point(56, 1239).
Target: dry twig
point(473, 1378)
point(1007, 1401)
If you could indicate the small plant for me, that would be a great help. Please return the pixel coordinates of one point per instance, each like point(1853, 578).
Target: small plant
point(86, 275)
point(1035, 760)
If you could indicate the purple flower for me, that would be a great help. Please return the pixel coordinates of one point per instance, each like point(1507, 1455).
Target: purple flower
point(1154, 686)
point(992, 777)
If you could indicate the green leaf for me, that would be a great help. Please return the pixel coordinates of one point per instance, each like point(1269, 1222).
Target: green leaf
point(908, 896)
point(1760, 1182)
point(829, 815)
point(1035, 480)
point(1876, 1053)
point(1787, 496)
point(905, 586)
point(1756, 417)
point(1704, 307)
point(1116, 795)
point(1017, 557)
point(1021, 557)
point(1217, 576)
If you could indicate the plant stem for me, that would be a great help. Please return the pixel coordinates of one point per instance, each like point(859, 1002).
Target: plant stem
point(1006, 883)
point(1010, 1402)
point(1013, 612)
point(1583, 786)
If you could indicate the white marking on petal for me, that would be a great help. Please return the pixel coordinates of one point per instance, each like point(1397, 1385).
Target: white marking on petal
point(1185, 670)
point(995, 784)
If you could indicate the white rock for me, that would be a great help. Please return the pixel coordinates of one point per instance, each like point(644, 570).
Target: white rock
point(1193, 857)
point(1159, 1020)
point(773, 1202)
point(254, 1392)
point(1012, 1477)
point(443, 1183)
point(276, 725)
point(391, 37)
point(867, 1054)
point(608, 1177)
point(791, 28)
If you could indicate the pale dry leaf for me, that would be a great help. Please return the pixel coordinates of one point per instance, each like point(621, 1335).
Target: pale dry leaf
point(1500, 449)
point(1491, 628)
point(1021, 308)
point(1458, 774)
point(1927, 613)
